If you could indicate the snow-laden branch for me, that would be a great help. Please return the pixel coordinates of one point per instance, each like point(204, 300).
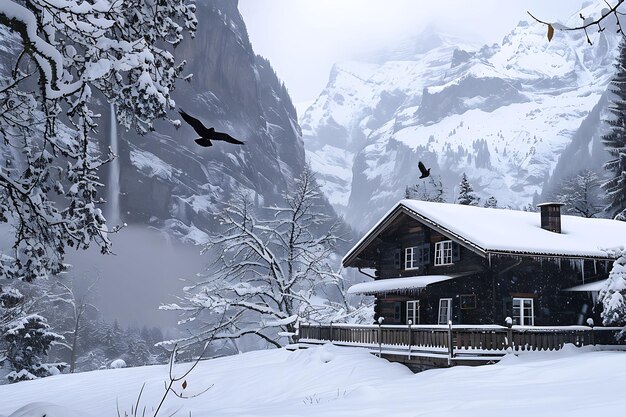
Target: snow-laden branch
point(49, 184)
point(267, 273)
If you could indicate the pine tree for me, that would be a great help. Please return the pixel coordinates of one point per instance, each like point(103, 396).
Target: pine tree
point(430, 190)
point(467, 196)
point(28, 340)
point(613, 295)
point(581, 194)
point(491, 202)
point(615, 142)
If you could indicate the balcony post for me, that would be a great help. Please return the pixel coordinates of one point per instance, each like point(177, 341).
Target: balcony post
point(380, 337)
point(450, 348)
point(410, 337)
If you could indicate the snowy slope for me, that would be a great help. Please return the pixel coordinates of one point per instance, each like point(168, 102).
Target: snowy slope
point(502, 113)
point(333, 381)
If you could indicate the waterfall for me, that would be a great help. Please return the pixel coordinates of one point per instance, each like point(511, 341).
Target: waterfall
point(113, 186)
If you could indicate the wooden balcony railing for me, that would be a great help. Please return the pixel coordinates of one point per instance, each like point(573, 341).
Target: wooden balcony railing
point(457, 341)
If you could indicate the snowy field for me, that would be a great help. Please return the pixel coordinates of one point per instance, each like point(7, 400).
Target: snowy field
point(333, 381)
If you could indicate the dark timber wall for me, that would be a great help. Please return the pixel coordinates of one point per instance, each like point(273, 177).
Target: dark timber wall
point(484, 294)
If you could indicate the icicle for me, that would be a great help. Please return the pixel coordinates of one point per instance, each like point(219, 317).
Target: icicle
point(582, 269)
point(559, 262)
point(595, 267)
point(489, 259)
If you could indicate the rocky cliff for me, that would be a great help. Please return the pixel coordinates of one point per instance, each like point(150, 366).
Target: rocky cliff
point(170, 182)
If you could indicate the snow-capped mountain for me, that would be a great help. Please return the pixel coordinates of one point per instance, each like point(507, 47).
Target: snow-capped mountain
point(503, 114)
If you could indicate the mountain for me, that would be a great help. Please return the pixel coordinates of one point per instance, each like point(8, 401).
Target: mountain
point(169, 188)
point(171, 183)
point(502, 113)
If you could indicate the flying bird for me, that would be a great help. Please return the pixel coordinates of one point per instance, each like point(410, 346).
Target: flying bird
point(425, 172)
point(207, 135)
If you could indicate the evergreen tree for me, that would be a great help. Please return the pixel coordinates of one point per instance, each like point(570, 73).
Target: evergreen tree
point(613, 295)
point(467, 196)
point(491, 202)
point(615, 142)
point(28, 340)
point(581, 194)
point(430, 190)
point(24, 338)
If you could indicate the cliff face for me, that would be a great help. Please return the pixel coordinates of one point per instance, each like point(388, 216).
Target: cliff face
point(170, 182)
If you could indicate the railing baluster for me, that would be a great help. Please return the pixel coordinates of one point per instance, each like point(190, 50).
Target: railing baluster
point(482, 340)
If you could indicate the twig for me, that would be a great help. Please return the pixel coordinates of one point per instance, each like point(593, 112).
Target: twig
point(585, 26)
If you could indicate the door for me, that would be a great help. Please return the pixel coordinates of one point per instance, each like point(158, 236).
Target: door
point(445, 310)
point(523, 311)
point(413, 312)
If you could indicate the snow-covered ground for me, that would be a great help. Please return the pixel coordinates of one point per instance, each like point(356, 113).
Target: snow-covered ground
point(334, 381)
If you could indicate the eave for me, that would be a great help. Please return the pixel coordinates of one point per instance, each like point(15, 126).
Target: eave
point(351, 258)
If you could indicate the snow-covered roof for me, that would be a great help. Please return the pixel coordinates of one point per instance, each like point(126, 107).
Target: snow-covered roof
point(590, 287)
point(488, 230)
point(397, 284)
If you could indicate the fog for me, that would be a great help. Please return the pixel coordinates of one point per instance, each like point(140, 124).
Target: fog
point(303, 38)
point(146, 270)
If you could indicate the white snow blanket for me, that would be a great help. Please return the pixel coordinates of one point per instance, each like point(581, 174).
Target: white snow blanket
point(338, 382)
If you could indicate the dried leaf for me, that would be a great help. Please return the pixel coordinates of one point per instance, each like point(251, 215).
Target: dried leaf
point(550, 32)
point(184, 384)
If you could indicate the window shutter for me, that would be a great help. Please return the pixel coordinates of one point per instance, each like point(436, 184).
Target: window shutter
point(397, 258)
point(425, 258)
point(456, 252)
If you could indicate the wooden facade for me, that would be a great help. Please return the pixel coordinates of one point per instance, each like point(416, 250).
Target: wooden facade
point(484, 288)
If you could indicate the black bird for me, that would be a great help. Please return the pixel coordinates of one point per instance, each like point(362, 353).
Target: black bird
point(425, 172)
point(207, 135)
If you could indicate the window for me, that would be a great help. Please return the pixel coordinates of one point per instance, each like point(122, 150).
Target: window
point(468, 301)
point(416, 256)
point(445, 310)
point(523, 311)
point(410, 258)
point(447, 252)
point(413, 312)
point(443, 253)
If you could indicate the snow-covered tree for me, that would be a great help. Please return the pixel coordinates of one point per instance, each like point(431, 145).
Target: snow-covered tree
point(25, 338)
point(491, 202)
point(267, 274)
point(615, 141)
point(613, 294)
point(582, 194)
point(27, 342)
point(11, 306)
point(466, 193)
point(430, 190)
point(65, 52)
point(72, 306)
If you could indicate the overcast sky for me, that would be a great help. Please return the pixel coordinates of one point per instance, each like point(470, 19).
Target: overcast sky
point(303, 38)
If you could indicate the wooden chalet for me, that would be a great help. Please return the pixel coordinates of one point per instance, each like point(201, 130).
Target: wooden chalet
point(446, 277)
point(434, 263)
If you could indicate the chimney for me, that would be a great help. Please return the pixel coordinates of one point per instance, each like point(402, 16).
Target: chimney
point(551, 216)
